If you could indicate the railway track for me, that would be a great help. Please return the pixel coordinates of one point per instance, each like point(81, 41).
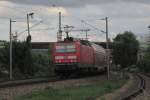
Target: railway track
point(142, 85)
point(11, 88)
point(8, 88)
point(14, 83)
point(145, 95)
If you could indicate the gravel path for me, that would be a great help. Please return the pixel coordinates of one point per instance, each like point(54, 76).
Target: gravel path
point(9, 93)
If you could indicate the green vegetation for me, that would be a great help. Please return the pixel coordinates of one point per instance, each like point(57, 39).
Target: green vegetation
point(42, 65)
point(125, 49)
point(77, 92)
point(26, 64)
point(144, 56)
point(22, 58)
point(2, 44)
point(144, 64)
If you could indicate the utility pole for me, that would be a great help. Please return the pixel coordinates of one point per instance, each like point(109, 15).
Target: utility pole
point(59, 34)
point(107, 49)
point(28, 24)
point(10, 50)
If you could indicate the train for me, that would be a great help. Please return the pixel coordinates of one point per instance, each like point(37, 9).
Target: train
point(76, 55)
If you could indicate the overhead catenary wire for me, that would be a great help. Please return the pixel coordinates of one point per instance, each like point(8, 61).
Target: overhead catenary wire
point(92, 26)
point(21, 11)
point(23, 18)
point(36, 24)
point(44, 29)
point(86, 23)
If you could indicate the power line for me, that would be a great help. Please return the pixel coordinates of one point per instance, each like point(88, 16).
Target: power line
point(36, 24)
point(85, 22)
point(43, 29)
point(17, 10)
point(21, 11)
point(91, 25)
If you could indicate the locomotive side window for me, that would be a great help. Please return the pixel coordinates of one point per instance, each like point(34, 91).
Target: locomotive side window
point(65, 48)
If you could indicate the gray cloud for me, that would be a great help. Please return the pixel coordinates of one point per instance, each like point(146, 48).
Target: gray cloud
point(132, 15)
point(65, 3)
point(137, 1)
point(72, 3)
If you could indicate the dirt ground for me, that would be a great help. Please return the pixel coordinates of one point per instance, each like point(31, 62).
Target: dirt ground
point(9, 93)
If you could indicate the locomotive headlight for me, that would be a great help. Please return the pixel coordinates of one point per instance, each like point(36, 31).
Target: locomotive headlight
point(72, 57)
point(59, 57)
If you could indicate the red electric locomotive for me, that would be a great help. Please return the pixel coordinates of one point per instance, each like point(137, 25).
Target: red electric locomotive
point(71, 56)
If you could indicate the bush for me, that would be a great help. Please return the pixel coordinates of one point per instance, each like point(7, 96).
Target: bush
point(144, 64)
point(41, 65)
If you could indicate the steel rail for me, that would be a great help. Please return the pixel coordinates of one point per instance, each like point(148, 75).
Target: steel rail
point(138, 91)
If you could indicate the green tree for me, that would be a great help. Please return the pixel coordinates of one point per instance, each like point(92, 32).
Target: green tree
point(4, 58)
point(28, 63)
point(144, 62)
point(21, 56)
point(125, 49)
point(41, 64)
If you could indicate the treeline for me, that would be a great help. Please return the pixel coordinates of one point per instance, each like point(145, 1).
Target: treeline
point(25, 63)
point(127, 52)
point(144, 58)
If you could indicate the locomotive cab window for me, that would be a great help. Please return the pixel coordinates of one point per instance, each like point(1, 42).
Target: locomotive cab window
point(65, 48)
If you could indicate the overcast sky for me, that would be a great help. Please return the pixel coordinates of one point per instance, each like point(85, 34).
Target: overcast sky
point(124, 15)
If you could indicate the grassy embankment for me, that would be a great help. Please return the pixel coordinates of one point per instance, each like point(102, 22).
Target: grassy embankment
point(76, 93)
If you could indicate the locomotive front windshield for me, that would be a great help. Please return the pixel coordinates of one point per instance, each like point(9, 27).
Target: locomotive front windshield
point(65, 48)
